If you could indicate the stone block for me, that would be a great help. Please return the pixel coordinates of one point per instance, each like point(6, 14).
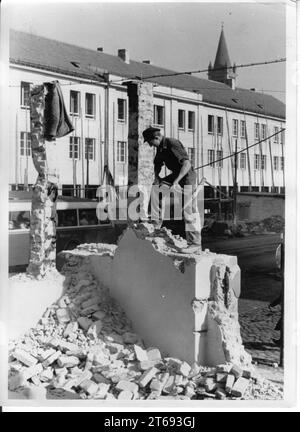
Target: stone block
point(221, 377)
point(32, 371)
point(98, 378)
point(168, 387)
point(84, 323)
point(67, 361)
point(223, 368)
point(184, 369)
point(86, 375)
point(153, 354)
point(89, 386)
point(46, 375)
point(147, 376)
point(247, 374)
point(210, 385)
point(63, 315)
point(68, 346)
point(229, 383)
point(102, 391)
point(127, 386)
point(220, 393)
point(147, 364)
point(25, 357)
point(140, 354)
point(95, 328)
point(178, 380)
point(44, 354)
point(189, 391)
point(237, 371)
point(51, 359)
point(71, 328)
point(125, 395)
point(240, 387)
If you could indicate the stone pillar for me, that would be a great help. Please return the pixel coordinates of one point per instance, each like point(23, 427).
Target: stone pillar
point(43, 209)
point(140, 155)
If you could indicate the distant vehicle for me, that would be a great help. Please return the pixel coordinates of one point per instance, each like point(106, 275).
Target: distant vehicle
point(77, 223)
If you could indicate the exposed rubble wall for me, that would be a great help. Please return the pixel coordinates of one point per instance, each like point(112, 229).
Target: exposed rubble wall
point(186, 305)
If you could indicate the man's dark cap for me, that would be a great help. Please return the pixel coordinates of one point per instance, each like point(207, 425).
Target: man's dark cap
point(149, 133)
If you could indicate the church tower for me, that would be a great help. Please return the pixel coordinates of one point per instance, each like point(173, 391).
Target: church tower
point(222, 71)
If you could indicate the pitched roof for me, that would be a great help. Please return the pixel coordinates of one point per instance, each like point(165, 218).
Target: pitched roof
point(52, 55)
point(222, 57)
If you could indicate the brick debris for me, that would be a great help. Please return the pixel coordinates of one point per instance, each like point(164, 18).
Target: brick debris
point(84, 347)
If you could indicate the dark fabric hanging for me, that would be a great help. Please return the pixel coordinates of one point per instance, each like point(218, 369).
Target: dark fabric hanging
point(57, 122)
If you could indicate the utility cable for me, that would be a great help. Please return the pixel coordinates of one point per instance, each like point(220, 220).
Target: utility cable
point(240, 151)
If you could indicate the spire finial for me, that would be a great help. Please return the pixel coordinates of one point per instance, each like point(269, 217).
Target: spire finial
point(222, 24)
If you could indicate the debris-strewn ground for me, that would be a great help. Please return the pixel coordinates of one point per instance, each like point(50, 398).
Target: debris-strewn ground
point(272, 224)
point(84, 347)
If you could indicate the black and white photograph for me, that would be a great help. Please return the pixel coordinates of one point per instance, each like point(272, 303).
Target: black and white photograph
point(148, 206)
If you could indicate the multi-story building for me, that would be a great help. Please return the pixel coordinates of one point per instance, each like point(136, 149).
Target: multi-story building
point(218, 122)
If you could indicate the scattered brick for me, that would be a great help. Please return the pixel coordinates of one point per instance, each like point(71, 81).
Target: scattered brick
point(229, 383)
point(71, 328)
point(210, 385)
point(220, 393)
point(127, 386)
point(223, 368)
point(221, 377)
point(247, 374)
point(67, 361)
point(89, 386)
point(46, 375)
point(236, 371)
point(84, 322)
point(32, 371)
point(184, 369)
point(189, 391)
point(63, 315)
point(240, 387)
point(153, 354)
point(125, 395)
point(102, 392)
point(168, 387)
point(140, 354)
point(25, 357)
point(51, 359)
point(147, 376)
point(147, 364)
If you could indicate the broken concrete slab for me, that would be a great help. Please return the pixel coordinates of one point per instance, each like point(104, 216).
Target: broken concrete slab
point(208, 331)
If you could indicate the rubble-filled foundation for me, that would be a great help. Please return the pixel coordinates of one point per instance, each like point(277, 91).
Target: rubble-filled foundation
point(84, 347)
point(186, 305)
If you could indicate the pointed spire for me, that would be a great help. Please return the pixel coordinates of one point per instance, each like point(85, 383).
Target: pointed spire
point(222, 56)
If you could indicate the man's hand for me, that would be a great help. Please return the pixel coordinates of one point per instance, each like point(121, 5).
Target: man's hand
point(176, 186)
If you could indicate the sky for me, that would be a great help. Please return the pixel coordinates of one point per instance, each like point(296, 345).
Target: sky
point(181, 36)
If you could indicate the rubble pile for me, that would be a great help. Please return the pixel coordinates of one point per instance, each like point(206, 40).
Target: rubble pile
point(84, 347)
point(272, 224)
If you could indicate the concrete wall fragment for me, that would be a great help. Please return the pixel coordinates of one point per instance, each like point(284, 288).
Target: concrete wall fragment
point(183, 304)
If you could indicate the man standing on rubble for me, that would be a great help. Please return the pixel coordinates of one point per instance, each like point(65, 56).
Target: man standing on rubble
point(171, 153)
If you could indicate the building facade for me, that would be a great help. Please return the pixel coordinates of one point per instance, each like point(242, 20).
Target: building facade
point(218, 123)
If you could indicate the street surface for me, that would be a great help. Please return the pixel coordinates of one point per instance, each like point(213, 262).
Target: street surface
point(260, 285)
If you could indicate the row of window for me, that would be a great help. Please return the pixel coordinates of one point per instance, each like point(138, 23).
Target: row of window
point(239, 128)
point(90, 103)
point(214, 158)
point(214, 123)
point(74, 148)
